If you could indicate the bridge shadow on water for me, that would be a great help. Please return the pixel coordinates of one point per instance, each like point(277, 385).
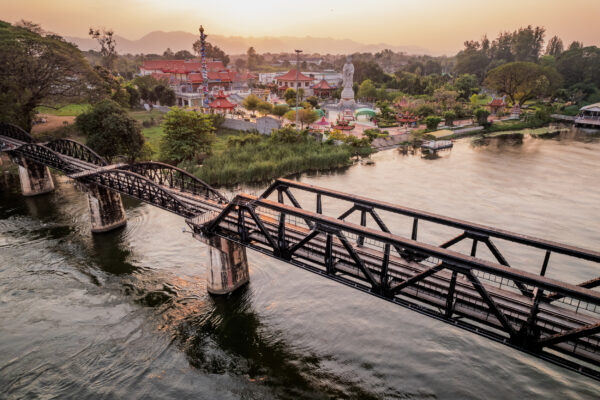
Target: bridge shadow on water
point(228, 337)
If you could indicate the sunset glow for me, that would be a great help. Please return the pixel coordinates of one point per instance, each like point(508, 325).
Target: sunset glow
point(439, 25)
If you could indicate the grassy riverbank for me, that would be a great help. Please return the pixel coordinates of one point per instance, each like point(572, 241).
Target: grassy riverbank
point(268, 159)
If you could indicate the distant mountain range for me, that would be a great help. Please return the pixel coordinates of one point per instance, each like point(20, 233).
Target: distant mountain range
point(158, 41)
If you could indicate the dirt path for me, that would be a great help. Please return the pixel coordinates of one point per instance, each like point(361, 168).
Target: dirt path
point(52, 122)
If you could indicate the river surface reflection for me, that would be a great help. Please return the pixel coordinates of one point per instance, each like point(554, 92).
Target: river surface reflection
point(126, 314)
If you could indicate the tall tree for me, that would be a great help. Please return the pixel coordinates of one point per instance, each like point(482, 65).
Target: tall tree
point(183, 55)
point(40, 69)
point(367, 90)
point(575, 45)
point(555, 46)
point(187, 135)
point(211, 51)
point(111, 131)
point(252, 61)
point(522, 81)
point(107, 46)
point(527, 43)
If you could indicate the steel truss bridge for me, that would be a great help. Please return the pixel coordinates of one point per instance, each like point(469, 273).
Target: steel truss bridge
point(556, 321)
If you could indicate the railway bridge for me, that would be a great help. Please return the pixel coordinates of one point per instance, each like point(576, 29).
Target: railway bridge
point(480, 293)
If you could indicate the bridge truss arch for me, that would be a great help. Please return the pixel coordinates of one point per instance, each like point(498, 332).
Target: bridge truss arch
point(15, 132)
point(43, 155)
point(76, 150)
point(139, 187)
point(176, 178)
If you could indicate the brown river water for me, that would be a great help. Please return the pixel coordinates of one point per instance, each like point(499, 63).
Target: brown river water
point(126, 314)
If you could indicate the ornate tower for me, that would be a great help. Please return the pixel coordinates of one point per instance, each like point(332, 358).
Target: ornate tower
point(204, 72)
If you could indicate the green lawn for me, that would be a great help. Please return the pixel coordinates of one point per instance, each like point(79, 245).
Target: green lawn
point(153, 136)
point(68, 110)
point(142, 116)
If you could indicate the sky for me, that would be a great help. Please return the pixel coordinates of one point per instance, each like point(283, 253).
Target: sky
point(438, 25)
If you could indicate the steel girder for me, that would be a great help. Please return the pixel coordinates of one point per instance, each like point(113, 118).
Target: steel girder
point(177, 179)
point(485, 297)
point(13, 131)
point(76, 150)
point(139, 187)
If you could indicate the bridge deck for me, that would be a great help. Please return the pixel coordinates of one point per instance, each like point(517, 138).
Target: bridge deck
point(553, 320)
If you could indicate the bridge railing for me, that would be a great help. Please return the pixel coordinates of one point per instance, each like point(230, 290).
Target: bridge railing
point(529, 311)
point(479, 235)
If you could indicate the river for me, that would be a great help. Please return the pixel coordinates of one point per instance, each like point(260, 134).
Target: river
point(126, 314)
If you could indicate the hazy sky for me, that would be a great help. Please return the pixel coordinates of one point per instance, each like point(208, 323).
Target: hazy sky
point(439, 25)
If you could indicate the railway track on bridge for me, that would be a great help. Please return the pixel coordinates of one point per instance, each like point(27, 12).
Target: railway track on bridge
point(550, 319)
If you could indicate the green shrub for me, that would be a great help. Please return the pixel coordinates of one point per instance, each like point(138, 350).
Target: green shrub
point(432, 122)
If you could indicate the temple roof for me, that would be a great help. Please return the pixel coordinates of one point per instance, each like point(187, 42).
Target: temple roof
point(182, 65)
point(222, 102)
point(497, 102)
point(291, 76)
point(322, 85)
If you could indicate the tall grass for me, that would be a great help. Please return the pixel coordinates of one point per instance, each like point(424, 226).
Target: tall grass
point(267, 159)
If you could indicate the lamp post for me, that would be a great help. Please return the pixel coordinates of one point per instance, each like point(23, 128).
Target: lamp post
point(297, 77)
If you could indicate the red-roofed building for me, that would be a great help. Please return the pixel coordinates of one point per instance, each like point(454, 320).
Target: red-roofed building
point(185, 77)
point(221, 103)
point(323, 89)
point(497, 105)
point(288, 80)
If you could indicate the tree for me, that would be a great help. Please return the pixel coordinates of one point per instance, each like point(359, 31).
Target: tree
point(187, 135)
point(313, 101)
point(164, 94)
point(152, 90)
point(481, 115)
point(280, 110)
point(211, 51)
point(252, 61)
point(554, 47)
point(575, 45)
point(527, 43)
point(111, 131)
point(264, 107)
point(432, 122)
point(290, 94)
point(107, 46)
point(183, 55)
point(521, 81)
point(40, 69)
point(466, 85)
point(251, 102)
point(367, 90)
point(472, 62)
point(304, 116)
point(240, 64)
point(168, 53)
point(580, 65)
point(449, 117)
point(134, 96)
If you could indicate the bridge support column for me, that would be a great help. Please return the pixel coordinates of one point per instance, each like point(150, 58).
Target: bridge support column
point(106, 209)
point(35, 178)
point(228, 266)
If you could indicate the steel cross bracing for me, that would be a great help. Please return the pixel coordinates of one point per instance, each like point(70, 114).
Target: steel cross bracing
point(554, 320)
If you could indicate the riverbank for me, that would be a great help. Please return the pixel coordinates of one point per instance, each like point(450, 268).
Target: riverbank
point(252, 158)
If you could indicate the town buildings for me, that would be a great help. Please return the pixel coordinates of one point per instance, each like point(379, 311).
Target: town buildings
point(185, 77)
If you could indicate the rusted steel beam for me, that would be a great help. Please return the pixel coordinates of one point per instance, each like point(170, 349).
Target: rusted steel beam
point(416, 278)
point(587, 330)
point(492, 305)
point(461, 262)
point(453, 222)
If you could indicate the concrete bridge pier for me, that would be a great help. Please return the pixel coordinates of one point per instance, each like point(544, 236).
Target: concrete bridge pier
point(228, 266)
point(35, 178)
point(106, 209)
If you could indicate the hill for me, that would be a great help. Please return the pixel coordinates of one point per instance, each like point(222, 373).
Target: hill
point(158, 41)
